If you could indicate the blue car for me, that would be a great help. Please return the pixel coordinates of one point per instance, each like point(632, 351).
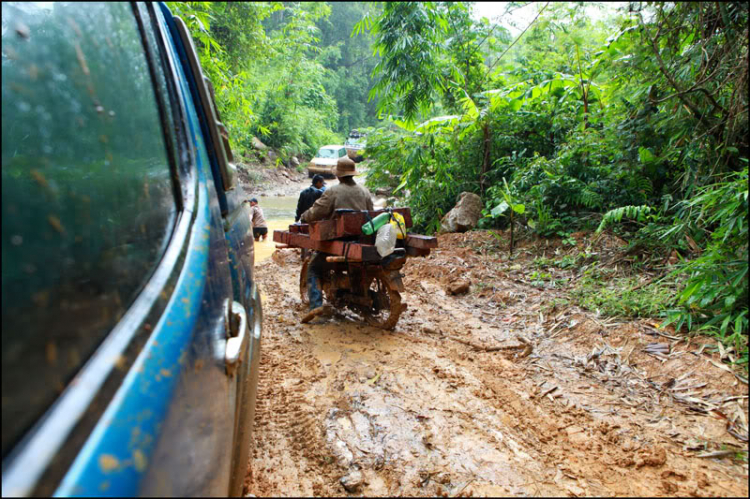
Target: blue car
point(131, 321)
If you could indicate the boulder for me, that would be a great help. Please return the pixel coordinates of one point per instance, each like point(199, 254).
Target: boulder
point(464, 216)
point(294, 162)
point(352, 481)
point(458, 287)
point(257, 144)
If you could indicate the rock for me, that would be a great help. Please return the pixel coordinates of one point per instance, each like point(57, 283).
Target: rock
point(504, 297)
point(464, 216)
point(352, 481)
point(702, 479)
point(430, 330)
point(294, 162)
point(458, 287)
point(655, 456)
point(575, 490)
point(272, 156)
point(383, 192)
point(257, 144)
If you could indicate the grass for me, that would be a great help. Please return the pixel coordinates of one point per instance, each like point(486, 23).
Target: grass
point(615, 296)
point(566, 262)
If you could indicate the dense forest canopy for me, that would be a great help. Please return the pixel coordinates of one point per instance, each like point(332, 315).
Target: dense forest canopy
point(289, 73)
point(636, 122)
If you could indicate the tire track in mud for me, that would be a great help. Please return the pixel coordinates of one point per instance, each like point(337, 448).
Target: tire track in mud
point(413, 412)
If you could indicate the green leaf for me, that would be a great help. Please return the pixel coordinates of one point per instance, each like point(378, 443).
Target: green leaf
point(519, 208)
point(645, 155)
point(401, 185)
point(499, 209)
point(724, 324)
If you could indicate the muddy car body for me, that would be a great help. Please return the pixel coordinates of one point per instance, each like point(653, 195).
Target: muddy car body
point(131, 320)
point(355, 145)
point(325, 160)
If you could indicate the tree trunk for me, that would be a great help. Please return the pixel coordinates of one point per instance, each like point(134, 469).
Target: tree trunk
point(585, 108)
point(510, 250)
point(486, 160)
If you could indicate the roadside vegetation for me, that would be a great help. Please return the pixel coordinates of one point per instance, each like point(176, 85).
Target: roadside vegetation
point(635, 124)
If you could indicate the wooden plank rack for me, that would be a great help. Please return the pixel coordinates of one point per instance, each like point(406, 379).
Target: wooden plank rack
point(342, 235)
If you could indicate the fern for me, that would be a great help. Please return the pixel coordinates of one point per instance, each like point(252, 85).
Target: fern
point(644, 184)
point(590, 199)
point(633, 212)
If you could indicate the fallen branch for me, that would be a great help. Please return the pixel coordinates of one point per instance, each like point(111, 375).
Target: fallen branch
point(719, 453)
point(548, 392)
point(524, 344)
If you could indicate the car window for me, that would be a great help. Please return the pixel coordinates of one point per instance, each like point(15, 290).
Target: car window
point(87, 195)
point(326, 153)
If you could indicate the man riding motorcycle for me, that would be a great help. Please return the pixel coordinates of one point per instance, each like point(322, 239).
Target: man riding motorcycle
point(347, 194)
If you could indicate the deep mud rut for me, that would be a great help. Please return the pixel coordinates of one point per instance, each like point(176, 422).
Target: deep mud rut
point(491, 393)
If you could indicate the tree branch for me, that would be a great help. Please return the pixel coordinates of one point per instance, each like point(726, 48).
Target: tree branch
point(489, 71)
point(680, 93)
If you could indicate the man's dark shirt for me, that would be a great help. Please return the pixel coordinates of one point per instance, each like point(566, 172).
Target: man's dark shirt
point(306, 199)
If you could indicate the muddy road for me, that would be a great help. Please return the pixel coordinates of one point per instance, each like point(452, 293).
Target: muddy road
point(498, 392)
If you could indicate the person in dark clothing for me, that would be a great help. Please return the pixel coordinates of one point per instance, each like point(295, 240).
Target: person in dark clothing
point(308, 197)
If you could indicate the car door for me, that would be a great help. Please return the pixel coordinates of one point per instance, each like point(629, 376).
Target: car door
point(238, 238)
point(118, 306)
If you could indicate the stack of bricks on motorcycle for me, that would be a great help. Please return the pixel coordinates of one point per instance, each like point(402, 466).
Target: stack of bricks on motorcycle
point(369, 289)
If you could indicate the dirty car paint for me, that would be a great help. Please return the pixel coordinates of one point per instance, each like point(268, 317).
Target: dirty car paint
point(173, 416)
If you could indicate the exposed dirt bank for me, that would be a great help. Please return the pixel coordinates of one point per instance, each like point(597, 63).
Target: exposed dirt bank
point(497, 392)
point(259, 180)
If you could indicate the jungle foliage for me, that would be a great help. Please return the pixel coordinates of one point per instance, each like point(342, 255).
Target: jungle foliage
point(285, 72)
point(637, 123)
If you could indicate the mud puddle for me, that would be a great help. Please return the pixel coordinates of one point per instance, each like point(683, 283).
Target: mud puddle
point(279, 212)
point(486, 394)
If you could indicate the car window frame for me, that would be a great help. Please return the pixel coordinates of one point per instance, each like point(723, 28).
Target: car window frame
point(219, 151)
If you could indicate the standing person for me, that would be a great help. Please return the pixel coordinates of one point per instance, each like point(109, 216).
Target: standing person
point(308, 197)
point(345, 195)
point(260, 229)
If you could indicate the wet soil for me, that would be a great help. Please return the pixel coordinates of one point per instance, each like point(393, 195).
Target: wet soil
point(260, 180)
point(494, 392)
